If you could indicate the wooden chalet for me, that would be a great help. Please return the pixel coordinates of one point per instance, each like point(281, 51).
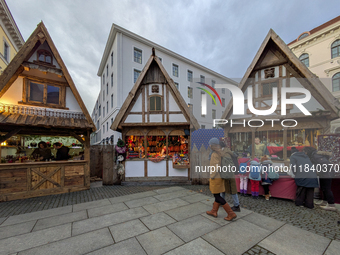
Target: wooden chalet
point(155, 123)
point(276, 66)
point(38, 97)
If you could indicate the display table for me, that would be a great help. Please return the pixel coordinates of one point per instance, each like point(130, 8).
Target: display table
point(273, 150)
point(284, 187)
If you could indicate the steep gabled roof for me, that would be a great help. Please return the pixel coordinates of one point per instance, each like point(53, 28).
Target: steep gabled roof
point(15, 67)
point(133, 93)
point(294, 66)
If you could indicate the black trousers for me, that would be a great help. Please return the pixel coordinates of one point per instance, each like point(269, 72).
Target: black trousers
point(325, 186)
point(305, 196)
point(266, 189)
point(219, 199)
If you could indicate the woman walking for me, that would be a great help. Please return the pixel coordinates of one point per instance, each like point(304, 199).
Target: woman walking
point(216, 183)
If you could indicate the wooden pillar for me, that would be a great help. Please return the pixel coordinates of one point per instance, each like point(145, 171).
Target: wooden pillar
point(146, 154)
point(285, 144)
point(87, 158)
point(108, 165)
point(167, 153)
point(189, 152)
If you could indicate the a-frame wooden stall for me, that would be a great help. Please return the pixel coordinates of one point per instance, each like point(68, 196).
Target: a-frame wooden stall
point(155, 122)
point(38, 97)
point(276, 66)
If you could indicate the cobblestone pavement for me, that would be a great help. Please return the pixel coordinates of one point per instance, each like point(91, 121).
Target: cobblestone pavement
point(317, 221)
point(258, 250)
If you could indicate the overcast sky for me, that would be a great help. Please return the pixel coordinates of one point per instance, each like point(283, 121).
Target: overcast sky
point(223, 35)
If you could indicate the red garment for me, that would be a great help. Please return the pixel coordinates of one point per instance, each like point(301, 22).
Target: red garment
point(255, 185)
point(272, 150)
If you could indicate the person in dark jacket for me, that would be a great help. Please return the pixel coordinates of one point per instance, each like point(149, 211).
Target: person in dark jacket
point(62, 151)
point(305, 179)
point(42, 152)
point(319, 158)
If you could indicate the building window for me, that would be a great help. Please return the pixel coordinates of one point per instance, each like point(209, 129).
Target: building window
point(213, 100)
point(103, 95)
point(213, 83)
point(103, 111)
point(107, 126)
point(136, 73)
point(190, 90)
point(99, 110)
point(223, 90)
point(177, 85)
point(103, 79)
point(203, 104)
point(112, 59)
point(6, 51)
point(190, 75)
point(137, 55)
point(304, 58)
point(107, 70)
point(303, 35)
point(336, 82)
point(160, 59)
point(223, 102)
point(103, 129)
point(43, 94)
point(202, 126)
point(267, 88)
point(111, 121)
point(107, 106)
point(175, 70)
point(107, 88)
point(111, 100)
point(98, 124)
point(190, 108)
point(336, 48)
point(213, 114)
point(111, 80)
point(44, 56)
point(155, 103)
point(202, 79)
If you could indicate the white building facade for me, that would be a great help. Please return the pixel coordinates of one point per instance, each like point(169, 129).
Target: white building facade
point(125, 56)
point(319, 50)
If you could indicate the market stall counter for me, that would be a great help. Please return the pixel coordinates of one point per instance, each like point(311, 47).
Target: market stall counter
point(32, 179)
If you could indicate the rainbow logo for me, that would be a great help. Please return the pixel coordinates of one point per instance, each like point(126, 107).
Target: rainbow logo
point(209, 93)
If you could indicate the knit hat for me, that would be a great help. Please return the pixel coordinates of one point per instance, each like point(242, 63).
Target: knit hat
point(264, 158)
point(214, 140)
point(293, 150)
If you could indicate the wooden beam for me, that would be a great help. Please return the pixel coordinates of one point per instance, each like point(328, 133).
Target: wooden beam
point(77, 137)
point(9, 135)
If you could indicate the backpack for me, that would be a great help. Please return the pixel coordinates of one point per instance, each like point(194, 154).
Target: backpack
point(255, 172)
point(318, 161)
point(243, 167)
point(271, 174)
point(225, 161)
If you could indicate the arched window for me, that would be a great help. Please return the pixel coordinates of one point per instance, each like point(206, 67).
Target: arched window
point(336, 48)
point(45, 56)
point(155, 103)
point(305, 34)
point(305, 59)
point(336, 82)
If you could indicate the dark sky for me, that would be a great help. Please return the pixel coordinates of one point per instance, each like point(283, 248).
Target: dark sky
point(221, 35)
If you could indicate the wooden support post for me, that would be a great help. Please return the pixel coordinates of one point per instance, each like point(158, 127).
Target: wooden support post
point(108, 165)
point(189, 151)
point(167, 153)
point(146, 154)
point(87, 158)
point(285, 144)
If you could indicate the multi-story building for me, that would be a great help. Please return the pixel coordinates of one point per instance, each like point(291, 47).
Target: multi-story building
point(125, 56)
point(319, 50)
point(11, 39)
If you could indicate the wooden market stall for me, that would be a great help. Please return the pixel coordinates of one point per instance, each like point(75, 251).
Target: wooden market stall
point(38, 98)
point(275, 66)
point(155, 123)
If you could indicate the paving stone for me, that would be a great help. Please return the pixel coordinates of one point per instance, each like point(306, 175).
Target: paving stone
point(107, 220)
point(187, 211)
point(195, 198)
point(197, 246)
point(192, 228)
point(175, 194)
point(333, 248)
point(59, 220)
point(127, 247)
point(141, 202)
point(94, 212)
point(36, 215)
point(168, 190)
point(89, 205)
point(228, 238)
point(18, 229)
point(166, 205)
point(157, 220)
point(263, 221)
point(127, 230)
point(126, 198)
point(75, 245)
point(293, 240)
point(30, 240)
point(159, 241)
point(2, 220)
point(219, 220)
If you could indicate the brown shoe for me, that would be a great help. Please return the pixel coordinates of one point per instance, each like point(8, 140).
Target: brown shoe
point(266, 197)
point(214, 210)
point(231, 214)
